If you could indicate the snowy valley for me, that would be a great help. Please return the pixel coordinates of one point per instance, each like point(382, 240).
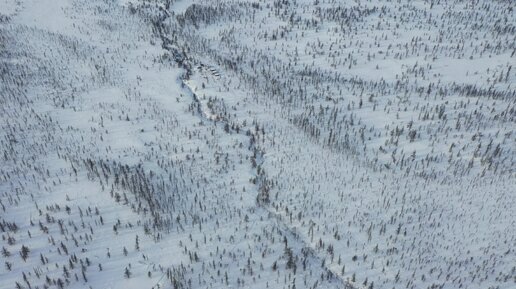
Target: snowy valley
point(257, 144)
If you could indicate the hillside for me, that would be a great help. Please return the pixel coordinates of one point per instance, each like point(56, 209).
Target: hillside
point(266, 144)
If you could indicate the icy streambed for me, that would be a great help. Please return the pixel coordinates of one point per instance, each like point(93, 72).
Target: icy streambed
point(209, 116)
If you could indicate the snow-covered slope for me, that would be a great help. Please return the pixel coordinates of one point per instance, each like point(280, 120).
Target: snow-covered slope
point(266, 144)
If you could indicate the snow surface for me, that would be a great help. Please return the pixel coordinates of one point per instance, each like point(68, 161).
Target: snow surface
point(266, 144)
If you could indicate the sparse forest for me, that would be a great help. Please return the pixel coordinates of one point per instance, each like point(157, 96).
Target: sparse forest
point(257, 144)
